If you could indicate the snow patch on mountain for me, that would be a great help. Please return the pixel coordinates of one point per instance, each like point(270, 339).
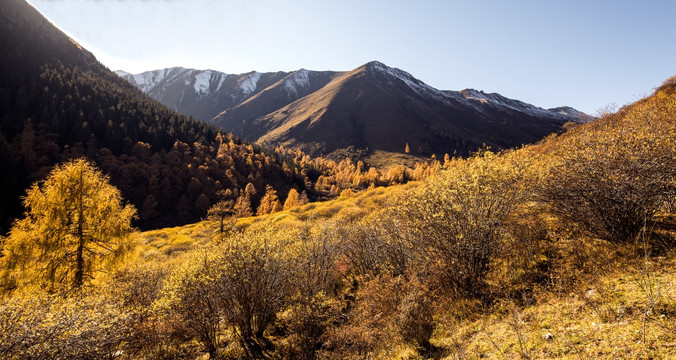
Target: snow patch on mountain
point(414, 84)
point(122, 73)
point(248, 85)
point(298, 79)
point(202, 82)
point(149, 79)
point(478, 100)
point(220, 82)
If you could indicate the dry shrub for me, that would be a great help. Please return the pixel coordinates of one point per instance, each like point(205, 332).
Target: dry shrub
point(376, 245)
point(253, 283)
point(138, 287)
point(614, 177)
point(43, 326)
point(386, 310)
point(189, 302)
point(415, 318)
point(315, 278)
point(308, 323)
point(457, 218)
point(241, 283)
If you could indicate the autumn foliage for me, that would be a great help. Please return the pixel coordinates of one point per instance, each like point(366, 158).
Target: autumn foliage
point(371, 274)
point(76, 222)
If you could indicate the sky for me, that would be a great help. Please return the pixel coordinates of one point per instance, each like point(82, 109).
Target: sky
point(588, 54)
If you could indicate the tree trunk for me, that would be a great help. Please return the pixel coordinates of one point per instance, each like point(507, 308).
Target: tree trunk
point(79, 265)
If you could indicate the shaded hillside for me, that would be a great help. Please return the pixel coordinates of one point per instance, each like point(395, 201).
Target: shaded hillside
point(375, 108)
point(370, 113)
point(58, 102)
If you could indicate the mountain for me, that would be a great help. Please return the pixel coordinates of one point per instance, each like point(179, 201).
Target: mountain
point(202, 94)
point(372, 113)
point(57, 102)
point(379, 109)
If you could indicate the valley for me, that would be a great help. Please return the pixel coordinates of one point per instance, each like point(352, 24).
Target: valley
point(362, 214)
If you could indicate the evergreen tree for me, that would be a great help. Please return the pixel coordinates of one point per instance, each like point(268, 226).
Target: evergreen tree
point(149, 208)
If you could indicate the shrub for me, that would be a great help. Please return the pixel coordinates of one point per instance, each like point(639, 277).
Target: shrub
point(415, 317)
point(253, 281)
point(315, 278)
point(50, 327)
point(386, 310)
point(612, 180)
point(375, 245)
point(138, 287)
point(189, 298)
point(456, 218)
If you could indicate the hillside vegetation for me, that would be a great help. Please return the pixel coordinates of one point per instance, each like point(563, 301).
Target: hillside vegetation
point(563, 249)
point(58, 103)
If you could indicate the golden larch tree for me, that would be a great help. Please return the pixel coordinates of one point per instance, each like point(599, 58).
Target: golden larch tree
point(243, 206)
point(270, 202)
point(292, 200)
point(75, 223)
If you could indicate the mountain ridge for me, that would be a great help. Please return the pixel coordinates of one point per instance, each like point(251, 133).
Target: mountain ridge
point(377, 108)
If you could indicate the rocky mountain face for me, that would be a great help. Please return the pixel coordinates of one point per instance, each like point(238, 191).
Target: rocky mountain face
point(372, 112)
point(202, 94)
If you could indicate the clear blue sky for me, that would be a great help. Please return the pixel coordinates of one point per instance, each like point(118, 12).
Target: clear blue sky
point(586, 54)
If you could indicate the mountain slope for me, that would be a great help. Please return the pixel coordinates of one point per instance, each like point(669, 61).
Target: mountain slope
point(200, 93)
point(293, 87)
point(381, 109)
point(58, 102)
point(371, 112)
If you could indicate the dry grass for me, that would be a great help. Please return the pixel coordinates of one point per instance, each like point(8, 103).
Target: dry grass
point(571, 325)
point(383, 159)
point(159, 244)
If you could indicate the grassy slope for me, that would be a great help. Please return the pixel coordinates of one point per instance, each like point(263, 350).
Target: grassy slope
point(624, 308)
point(163, 244)
point(602, 320)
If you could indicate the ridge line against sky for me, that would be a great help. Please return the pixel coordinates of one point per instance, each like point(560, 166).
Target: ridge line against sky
point(584, 54)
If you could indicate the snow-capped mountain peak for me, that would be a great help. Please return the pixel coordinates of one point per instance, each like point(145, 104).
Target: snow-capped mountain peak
point(299, 79)
point(248, 84)
point(203, 82)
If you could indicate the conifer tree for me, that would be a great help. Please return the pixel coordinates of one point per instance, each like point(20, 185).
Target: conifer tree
point(269, 203)
point(75, 220)
point(149, 209)
point(292, 200)
point(243, 206)
point(303, 199)
point(220, 212)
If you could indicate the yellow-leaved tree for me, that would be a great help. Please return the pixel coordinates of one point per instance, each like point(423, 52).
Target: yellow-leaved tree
point(270, 202)
point(75, 224)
